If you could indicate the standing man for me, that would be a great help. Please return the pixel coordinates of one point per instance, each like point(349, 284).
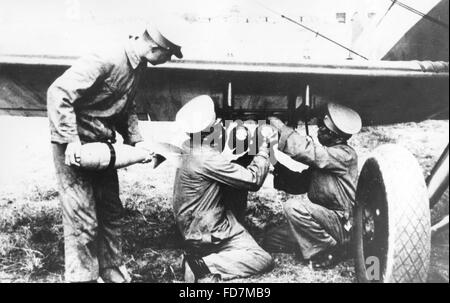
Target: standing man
point(318, 228)
point(90, 102)
point(217, 245)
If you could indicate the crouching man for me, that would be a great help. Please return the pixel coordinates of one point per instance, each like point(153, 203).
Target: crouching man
point(318, 228)
point(217, 245)
point(90, 102)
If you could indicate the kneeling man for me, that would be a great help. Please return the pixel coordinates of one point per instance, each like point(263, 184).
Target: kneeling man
point(217, 245)
point(320, 227)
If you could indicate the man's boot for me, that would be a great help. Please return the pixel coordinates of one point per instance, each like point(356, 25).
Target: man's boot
point(115, 275)
point(196, 271)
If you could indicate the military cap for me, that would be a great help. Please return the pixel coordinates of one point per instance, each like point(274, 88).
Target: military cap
point(342, 119)
point(196, 115)
point(164, 35)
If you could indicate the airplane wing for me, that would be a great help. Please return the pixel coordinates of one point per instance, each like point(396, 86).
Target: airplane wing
point(382, 91)
point(242, 82)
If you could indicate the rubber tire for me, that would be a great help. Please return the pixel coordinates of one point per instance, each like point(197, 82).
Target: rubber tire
point(391, 181)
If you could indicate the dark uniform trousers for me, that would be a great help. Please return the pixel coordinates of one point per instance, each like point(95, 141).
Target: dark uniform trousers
point(90, 102)
point(210, 198)
point(311, 229)
point(92, 219)
point(237, 257)
point(330, 181)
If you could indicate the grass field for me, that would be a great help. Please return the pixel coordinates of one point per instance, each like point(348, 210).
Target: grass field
point(31, 242)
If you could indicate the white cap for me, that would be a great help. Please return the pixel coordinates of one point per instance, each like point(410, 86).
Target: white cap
point(343, 120)
point(196, 115)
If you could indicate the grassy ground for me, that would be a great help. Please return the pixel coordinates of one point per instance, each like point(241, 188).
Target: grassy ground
point(31, 242)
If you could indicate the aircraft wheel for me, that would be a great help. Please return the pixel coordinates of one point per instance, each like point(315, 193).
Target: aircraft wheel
point(392, 218)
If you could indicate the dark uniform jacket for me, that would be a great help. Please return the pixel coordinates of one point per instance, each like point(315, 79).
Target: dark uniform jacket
point(95, 97)
point(200, 204)
point(331, 178)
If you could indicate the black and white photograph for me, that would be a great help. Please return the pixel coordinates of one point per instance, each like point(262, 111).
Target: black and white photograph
point(231, 142)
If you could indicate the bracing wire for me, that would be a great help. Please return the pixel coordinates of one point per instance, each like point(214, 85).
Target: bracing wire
point(308, 28)
point(417, 12)
point(386, 13)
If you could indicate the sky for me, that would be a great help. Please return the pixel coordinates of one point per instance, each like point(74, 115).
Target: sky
point(43, 9)
point(53, 9)
point(70, 27)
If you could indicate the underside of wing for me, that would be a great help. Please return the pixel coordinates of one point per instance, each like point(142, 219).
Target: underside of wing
point(383, 92)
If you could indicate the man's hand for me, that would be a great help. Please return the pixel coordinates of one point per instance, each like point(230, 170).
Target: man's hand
point(269, 137)
point(269, 134)
point(73, 153)
point(277, 123)
point(145, 146)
